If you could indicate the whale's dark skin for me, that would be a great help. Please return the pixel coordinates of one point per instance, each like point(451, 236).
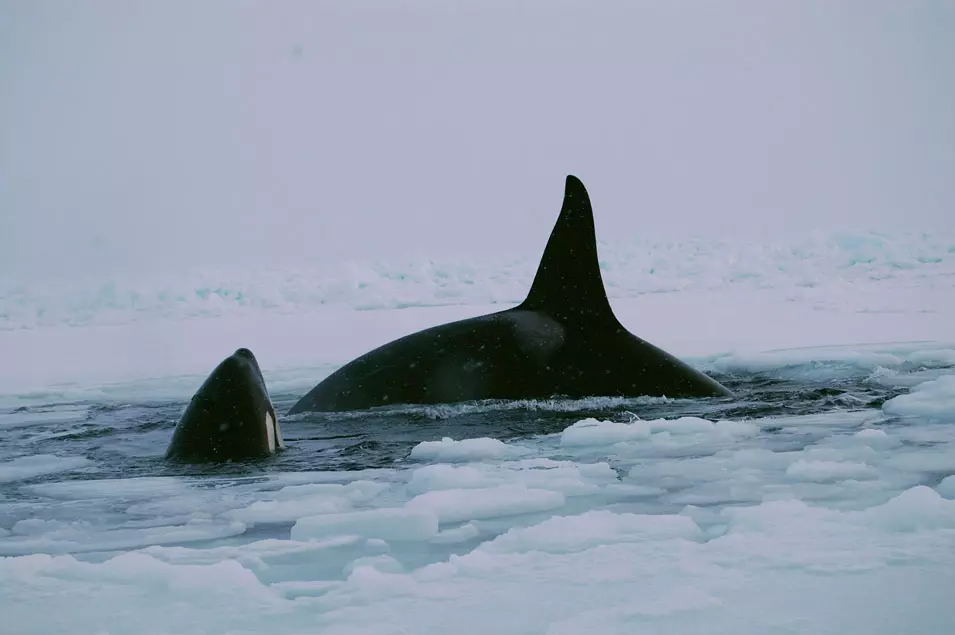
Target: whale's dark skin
point(563, 340)
point(229, 418)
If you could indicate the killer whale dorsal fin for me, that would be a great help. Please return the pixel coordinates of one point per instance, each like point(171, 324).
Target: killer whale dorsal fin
point(568, 284)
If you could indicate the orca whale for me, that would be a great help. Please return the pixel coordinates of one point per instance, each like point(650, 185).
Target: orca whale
point(562, 340)
point(230, 417)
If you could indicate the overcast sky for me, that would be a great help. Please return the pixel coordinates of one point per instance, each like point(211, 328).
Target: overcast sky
point(174, 134)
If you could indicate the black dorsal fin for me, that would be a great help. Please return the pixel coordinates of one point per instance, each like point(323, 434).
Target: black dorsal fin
point(568, 284)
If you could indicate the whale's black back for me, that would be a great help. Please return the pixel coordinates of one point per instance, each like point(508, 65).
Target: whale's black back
point(227, 417)
point(564, 339)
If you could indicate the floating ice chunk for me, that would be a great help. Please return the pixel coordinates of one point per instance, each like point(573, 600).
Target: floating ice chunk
point(597, 471)
point(447, 449)
point(933, 357)
point(893, 378)
point(917, 508)
point(388, 523)
point(222, 580)
point(279, 511)
point(593, 432)
point(260, 555)
point(683, 425)
point(356, 491)
point(696, 425)
point(823, 471)
point(297, 501)
point(366, 585)
point(934, 400)
point(125, 488)
point(569, 478)
point(947, 487)
point(319, 477)
point(458, 534)
point(56, 537)
point(442, 476)
point(383, 563)
point(26, 467)
point(458, 505)
point(566, 534)
point(876, 438)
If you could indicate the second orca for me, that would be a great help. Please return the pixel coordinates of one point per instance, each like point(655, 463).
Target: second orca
point(562, 340)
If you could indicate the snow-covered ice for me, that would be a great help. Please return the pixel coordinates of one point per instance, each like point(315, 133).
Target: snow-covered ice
point(451, 451)
point(933, 400)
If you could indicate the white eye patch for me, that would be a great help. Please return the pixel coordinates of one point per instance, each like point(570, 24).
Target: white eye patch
point(270, 431)
point(279, 441)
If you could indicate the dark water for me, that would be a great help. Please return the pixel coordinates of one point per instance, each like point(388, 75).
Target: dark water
point(129, 440)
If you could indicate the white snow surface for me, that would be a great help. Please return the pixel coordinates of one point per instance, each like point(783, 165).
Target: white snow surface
point(672, 525)
point(809, 269)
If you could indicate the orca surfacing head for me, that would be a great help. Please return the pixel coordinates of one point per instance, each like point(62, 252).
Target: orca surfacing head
point(230, 417)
